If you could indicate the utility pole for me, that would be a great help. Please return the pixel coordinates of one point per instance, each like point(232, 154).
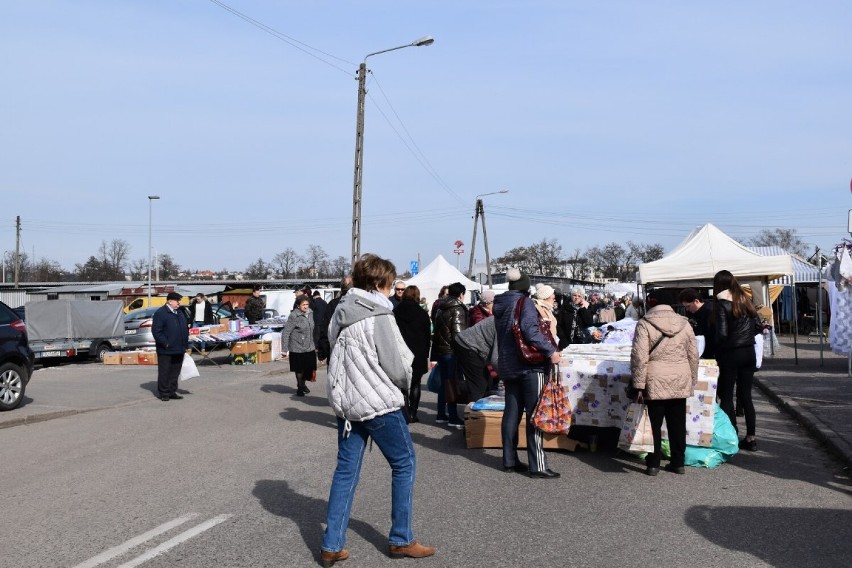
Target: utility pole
point(479, 212)
point(17, 250)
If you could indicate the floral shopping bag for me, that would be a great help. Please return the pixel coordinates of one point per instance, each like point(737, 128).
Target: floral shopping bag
point(552, 414)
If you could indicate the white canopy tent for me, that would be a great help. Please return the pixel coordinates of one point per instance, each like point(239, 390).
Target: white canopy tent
point(707, 250)
point(437, 274)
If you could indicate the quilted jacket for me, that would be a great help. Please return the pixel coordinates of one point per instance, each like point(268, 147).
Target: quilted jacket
point(370, 365)
point(671, 370)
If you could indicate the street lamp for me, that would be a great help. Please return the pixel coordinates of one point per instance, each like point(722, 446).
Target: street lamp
point(480, 212)
point(359, 143)
point(151, 199)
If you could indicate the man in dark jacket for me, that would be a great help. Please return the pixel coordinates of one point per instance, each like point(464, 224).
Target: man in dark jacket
point(255, 306)
point(323, 346)
point(450, 319)
point(201, 311)
point(171, 335)
point(699, 313)
point(523, 381)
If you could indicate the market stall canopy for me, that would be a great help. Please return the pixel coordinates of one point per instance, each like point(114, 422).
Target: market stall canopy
point(804, 271)
point(437, 274)
point(706, 251)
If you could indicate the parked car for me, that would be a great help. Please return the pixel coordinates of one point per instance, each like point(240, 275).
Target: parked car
point(137, 327)
point(22, 312)
point(16, 358)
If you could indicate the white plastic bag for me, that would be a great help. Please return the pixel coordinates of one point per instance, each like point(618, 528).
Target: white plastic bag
point(188, 369)
point(636, 436)
point(758, 350)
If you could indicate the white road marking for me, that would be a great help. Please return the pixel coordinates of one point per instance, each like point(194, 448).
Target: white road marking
point(171, 543)
point(134, 542)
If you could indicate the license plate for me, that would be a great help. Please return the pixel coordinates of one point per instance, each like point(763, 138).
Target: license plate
point(129, 332)
point(49, 354)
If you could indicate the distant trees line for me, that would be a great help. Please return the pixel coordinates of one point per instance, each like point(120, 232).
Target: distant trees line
point(546, 257)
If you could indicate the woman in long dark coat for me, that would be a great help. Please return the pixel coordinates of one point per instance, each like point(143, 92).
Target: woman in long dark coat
point(414, 325)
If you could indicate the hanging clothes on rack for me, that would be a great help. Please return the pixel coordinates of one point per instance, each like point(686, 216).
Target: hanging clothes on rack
point(840, 299)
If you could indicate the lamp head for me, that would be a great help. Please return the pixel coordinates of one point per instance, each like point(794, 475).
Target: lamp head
point(425, 40)
point(153, 197)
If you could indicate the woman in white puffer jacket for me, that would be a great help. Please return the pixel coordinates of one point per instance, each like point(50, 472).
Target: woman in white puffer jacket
point(369, 369)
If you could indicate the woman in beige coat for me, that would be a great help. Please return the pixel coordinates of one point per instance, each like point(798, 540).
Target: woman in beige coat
point(545, 301)
point(664, 364)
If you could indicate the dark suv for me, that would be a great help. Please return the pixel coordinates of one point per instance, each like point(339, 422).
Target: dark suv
point(16, 358)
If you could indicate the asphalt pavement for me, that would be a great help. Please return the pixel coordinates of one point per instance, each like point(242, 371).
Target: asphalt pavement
point(816, 391)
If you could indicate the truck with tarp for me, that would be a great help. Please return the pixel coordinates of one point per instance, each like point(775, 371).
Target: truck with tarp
point(59, 329)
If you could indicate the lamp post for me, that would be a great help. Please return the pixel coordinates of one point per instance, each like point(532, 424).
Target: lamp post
point(151, 199)
point(359, 143)
point(479, 211)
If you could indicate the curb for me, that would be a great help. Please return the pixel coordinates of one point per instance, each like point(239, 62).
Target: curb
point(36, 418)
point(835, 444)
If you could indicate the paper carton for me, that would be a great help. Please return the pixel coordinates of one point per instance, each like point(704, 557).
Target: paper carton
point(130, 358)
point(112, 358)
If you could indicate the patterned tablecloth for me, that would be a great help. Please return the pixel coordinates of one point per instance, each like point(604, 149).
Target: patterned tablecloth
point(595, 385)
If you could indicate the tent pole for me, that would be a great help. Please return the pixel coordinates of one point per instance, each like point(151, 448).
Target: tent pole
point(795, 320)
point(819, 309)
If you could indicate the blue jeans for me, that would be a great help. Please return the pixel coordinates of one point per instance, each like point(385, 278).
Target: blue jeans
point(390, 433)
point(522, 394)
point(447, 369)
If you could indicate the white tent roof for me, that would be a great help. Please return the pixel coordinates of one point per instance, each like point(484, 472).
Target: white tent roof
point(437, 274)
point(706, 251)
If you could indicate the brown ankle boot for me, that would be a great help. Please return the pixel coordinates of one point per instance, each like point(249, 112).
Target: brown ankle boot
point(413, 550)
point(329, 558)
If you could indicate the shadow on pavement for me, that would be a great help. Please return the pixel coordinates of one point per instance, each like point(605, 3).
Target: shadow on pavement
point(781, 537)
point(308, 513)
point(311, 416)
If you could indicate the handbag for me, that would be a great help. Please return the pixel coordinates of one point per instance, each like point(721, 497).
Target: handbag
point(456, 389)
point(188, 369)
point(313, 376)
point(636, 436)
point(433, 382)
point(552, 414)
point(527, 352)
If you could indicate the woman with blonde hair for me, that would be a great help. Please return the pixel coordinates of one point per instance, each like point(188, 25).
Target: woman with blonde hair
point(735, 319)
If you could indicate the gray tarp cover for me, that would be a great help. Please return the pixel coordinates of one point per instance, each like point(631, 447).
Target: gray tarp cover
point(74, 319)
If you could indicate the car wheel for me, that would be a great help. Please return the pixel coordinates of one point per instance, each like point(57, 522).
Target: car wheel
point(13, 382)
point(102, 350)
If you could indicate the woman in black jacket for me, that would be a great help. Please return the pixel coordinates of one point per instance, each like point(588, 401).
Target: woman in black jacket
point(415, 327)
point(736, 320)
point(573, 319)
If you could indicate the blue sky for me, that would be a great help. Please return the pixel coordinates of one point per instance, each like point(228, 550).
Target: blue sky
point(607, 121)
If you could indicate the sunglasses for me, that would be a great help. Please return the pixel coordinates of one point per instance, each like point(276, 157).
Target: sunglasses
point(399, 289)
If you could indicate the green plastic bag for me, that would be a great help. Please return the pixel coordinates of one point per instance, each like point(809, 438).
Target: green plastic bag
point(724, 444)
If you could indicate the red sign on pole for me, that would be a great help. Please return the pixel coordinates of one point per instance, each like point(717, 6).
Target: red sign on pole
point(459, 244)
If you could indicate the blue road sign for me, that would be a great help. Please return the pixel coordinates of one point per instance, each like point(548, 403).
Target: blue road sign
point(414, 267)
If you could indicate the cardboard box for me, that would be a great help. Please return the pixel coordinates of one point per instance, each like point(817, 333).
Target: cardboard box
point(130, 358)
point(264, 356)
point(264, 346)
point(482, 430)
point(243, 347)
point(148, 358)
point(112, 358)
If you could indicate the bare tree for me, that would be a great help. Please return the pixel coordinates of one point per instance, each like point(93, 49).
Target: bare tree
point(577, 263)
point(114, 256)
point(339, 267)
point(316, 258)
point(258, 270)
point(787, 239)
point(608, 259)
point(285, 262)
point(45, 270)
point(517, 257)
point(139, 269)
point(545, 257)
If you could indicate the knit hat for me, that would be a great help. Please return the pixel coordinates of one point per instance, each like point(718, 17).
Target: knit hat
point(517, 280)
point(488, 296)
point(544, 292)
